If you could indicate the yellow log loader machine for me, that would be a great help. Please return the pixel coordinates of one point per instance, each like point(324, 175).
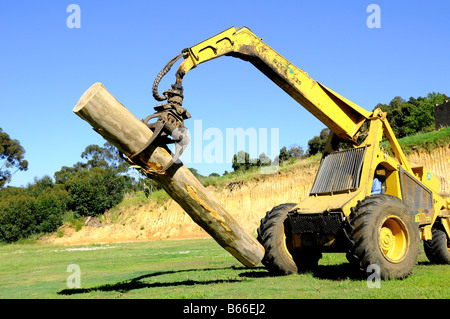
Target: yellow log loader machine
point(374, 207)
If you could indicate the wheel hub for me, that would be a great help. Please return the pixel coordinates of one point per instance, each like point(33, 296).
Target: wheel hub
point(387, 239)
point(393, 239)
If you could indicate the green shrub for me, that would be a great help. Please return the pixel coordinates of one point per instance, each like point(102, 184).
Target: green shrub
point(94, 191)
point(39, 208)
point(17, 218)
point(160, 196)
point(49, 210)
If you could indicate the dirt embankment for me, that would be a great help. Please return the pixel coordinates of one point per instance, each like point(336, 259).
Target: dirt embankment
point(247, 201)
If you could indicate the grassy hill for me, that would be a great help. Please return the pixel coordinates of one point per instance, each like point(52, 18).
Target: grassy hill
point(423, 141)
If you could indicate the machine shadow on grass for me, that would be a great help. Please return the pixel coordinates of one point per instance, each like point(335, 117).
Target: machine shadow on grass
point(329, 272)
point(138, 283)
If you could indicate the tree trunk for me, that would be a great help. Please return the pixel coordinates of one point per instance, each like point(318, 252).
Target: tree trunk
point(116, 124)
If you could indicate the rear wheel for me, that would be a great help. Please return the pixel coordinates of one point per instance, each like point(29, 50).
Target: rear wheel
point(438, 248)
point(383, 233)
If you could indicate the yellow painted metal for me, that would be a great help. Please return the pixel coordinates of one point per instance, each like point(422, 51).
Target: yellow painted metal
point(446, 223)
point(425, 233)
point(393, 184)
point(375, 158)
point(393, 239)
point(345, 201)
point(288, 245)
point(342, 116)
point(427, 178)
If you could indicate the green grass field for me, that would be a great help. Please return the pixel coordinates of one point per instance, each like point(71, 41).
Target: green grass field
point(190, 269)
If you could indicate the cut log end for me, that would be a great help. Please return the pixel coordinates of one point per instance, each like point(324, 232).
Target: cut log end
point(87, 96)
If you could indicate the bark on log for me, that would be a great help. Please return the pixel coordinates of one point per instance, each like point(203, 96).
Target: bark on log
point(116, 124)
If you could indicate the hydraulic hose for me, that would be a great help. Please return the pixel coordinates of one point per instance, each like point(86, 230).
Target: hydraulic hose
point(163, 72)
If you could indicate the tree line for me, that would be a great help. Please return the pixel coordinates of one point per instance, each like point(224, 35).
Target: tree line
point(88, 188)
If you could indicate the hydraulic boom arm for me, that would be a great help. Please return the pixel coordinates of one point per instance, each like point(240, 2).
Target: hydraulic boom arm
point(342, 116)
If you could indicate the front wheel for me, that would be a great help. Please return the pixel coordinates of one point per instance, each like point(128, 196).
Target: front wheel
point(383, 233)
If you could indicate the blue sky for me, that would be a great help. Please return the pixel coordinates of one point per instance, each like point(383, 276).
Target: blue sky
point(45, 67)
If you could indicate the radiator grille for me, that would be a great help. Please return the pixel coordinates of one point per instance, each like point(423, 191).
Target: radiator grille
point(313, 223)
point(339, 171)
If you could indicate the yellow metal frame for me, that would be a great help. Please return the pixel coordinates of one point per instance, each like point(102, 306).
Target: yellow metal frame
point(374, 158)
point(343, 117)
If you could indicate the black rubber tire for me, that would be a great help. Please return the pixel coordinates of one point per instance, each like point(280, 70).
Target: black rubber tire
point(364, 228)
point(271, 235)
point(437, 249)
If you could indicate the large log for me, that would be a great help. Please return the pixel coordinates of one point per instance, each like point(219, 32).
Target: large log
point(116, 124)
